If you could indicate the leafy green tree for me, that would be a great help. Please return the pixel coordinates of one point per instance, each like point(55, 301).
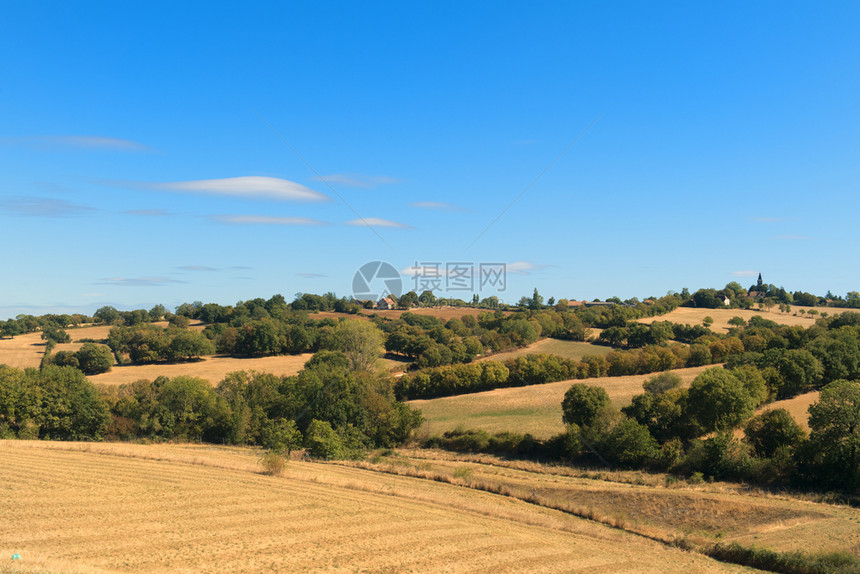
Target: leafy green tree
point(361, 342)
point(189, 345)
point(582, 403)
point(718, 401)
point(772, 430)
point(281, 436)
point(629, 445)
point(55, 334)
point(94, 359)
point(662, 383)
point(835, 436)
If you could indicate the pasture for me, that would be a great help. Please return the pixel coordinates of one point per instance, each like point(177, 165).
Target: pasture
point(76, 507)
point(534, 409)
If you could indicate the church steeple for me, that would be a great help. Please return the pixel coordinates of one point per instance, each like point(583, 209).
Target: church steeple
point(759, 282)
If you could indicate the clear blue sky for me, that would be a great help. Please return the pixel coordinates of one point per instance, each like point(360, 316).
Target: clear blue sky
point(145, 149)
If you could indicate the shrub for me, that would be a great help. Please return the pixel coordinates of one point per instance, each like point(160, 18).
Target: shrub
point(273, 463)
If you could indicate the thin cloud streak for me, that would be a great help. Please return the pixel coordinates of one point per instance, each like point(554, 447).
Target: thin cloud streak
point(147, 212)
point(250, 187)
point(356, 180)
point(437, 206)
point(197, 268)
point(746, 273)
point(76, 142)
point(138, 281)
point(43, 207)
point(378, 222)
point(266, 220)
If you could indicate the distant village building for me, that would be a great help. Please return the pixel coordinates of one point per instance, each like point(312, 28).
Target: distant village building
point(758, 291)
point(726, 301)
point(386, 303)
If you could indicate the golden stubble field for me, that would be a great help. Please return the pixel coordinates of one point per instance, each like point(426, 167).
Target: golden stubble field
point(575, 350)
point(535, 409)
point(164, 508)
point(721, 317)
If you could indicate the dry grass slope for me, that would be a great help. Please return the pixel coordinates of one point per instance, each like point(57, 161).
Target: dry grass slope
point(136, 508)
point(567, 349)
point(721, 317)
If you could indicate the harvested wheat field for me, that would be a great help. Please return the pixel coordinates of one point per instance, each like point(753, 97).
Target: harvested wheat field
point(568, 349)
point(213, 368)
point(22, 351)
point(535, 409)
point(648, 504)
point(721, 317)
point(139, 508)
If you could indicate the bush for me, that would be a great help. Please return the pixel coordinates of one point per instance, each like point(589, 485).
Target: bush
point(273, 463)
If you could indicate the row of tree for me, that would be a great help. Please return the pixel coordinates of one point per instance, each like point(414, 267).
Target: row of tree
point(333, 406)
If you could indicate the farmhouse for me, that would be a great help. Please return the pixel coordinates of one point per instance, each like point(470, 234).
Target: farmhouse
point(385, 303)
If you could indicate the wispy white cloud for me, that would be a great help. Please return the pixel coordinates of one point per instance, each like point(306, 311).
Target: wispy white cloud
point(377, 222)
point(357, 180)
point(745, 273)
point(138, 281)
point(311, 275)
point(147, 212)
point(245, 267)
point(524, 267)
point(43, 207)
point(266, 220)
point(76, 142)
point(197, 268)
point(437, 206)
point(254, 187)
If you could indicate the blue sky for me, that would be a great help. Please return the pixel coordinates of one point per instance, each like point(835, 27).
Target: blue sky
point(161, 152)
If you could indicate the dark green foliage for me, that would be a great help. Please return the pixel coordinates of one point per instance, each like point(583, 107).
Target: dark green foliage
point(662, 383)
point(629, 445)
point(93, 359)
point(56, 402)
point(772, 430)
point(717, 400)
point(835, 435)
point(144, 344)
point(582, 403)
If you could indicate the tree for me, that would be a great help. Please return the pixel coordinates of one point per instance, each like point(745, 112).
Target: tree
point(361, 342)
point(772, 430)
point(407, 300)
point(536, 302)
point(662, 383)
point(582, 403)
point(835, 436)
point(718, 401)
point(107, 315)
point(94, 359)
point(708, 321)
